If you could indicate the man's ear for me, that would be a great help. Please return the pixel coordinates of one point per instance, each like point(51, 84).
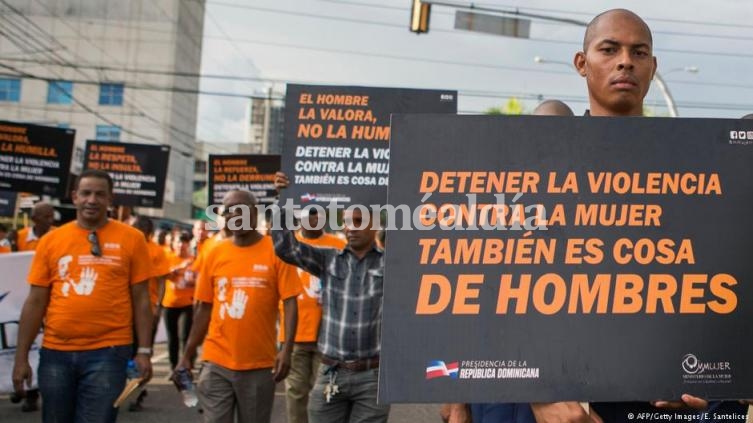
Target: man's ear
point(579, 61)
point(656, 66)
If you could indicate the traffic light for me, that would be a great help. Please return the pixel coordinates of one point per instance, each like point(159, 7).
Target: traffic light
point(419, 17)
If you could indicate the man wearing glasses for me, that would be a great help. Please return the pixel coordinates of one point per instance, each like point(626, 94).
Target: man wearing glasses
point(88, 282)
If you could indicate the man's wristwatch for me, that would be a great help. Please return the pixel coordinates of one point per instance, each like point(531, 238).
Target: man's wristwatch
point(144, 350)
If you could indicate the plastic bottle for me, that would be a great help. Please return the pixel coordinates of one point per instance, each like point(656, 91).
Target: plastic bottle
point(132, 372)
point(183, 380)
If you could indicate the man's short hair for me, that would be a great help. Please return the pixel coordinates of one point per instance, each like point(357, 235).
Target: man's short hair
point(94, 173)
point(588, 36)
point(185, 236)
point(553, 108)
point(144, 223)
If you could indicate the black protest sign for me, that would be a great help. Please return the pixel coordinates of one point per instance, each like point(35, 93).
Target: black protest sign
point(7, 203)
point(35, 159)
point(584, 259)
point(138, 171)
point(336, 145)
point(250, 172)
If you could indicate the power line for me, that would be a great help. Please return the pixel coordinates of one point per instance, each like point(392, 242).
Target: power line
point(590, 14)
point(228, 38)
point(21, 47)
point(133, 102)
point(285, 80)
point(466, 93)
point(80, 103)
point(403, 9)
point(449, 31)
point(28, 75)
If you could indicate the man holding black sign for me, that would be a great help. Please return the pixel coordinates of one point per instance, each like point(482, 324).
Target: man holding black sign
point(618, 65)
point(349, 335)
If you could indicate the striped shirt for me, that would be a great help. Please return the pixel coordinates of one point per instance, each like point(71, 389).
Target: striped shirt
point(351, 295)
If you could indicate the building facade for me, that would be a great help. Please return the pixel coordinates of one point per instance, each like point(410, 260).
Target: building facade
point(267, 125)
point(112, 70)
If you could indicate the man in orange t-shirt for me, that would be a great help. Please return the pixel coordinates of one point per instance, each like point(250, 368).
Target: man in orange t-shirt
point(240, 285)
point(43, 216)
point(88, 283)
point(5, 246)
point(306, 358)
point(160, 263)
point(178, 299)
point(160, 269)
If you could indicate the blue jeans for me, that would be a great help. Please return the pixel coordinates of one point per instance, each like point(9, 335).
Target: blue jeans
point(502, 413)
point(81, 386)
point(355, 403)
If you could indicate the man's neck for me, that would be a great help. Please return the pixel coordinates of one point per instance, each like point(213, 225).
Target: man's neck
point(361, 253)
point(311, 234)
point(91, 226)
point(247, 239)
point(598, 110)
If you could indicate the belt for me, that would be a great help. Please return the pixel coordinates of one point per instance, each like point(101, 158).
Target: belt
point(353, 365)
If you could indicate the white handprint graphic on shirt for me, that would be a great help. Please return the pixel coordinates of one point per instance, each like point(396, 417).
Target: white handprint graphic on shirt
point(314, 290)
point(63, 273)
point(87, 280)
point(238, 306)
point(222, 289)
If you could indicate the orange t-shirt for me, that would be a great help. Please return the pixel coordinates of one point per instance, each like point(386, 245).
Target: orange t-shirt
point(90, 299)
point(244, 285)
point(309, 309)
point(160, 267)
point(178, 293)
point(5, 246)
point(25, 244)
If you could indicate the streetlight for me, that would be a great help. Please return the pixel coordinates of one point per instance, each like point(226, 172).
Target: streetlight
point(671, 106)
point(541, 60)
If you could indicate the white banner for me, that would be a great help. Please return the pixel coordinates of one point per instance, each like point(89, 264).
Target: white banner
point(13, 291)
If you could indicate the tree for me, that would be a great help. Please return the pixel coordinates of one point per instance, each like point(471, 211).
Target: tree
point(512, 107)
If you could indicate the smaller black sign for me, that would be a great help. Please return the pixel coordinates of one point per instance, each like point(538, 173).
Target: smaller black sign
point(35, 158)
point(7, 203)
point(138, 170)
point(253, 173)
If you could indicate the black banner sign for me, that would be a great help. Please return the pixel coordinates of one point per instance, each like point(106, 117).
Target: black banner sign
point(7, 203)
point(138, 170)
point(588, 259)
point(336, 145)
point(35, 159)
point(250, 172)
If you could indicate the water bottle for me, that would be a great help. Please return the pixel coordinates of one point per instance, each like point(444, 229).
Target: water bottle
point(132, 372)
point(183, 380)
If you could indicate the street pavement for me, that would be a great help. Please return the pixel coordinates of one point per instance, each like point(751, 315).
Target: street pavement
point(163, 404)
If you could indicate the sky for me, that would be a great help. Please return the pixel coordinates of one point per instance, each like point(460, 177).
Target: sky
point(367, 43)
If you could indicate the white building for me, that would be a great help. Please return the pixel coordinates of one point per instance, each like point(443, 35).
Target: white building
point(111, 70)
point(266, 127)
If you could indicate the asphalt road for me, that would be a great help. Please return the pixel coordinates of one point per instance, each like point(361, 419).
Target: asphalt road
point(163, 404)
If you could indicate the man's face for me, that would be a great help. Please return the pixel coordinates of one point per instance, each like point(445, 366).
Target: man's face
point(239, 220)
point(358, 239)
point(92, 198)
point(199, 231)
point(43, 219)
point(311, 221)
point(618, 65)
